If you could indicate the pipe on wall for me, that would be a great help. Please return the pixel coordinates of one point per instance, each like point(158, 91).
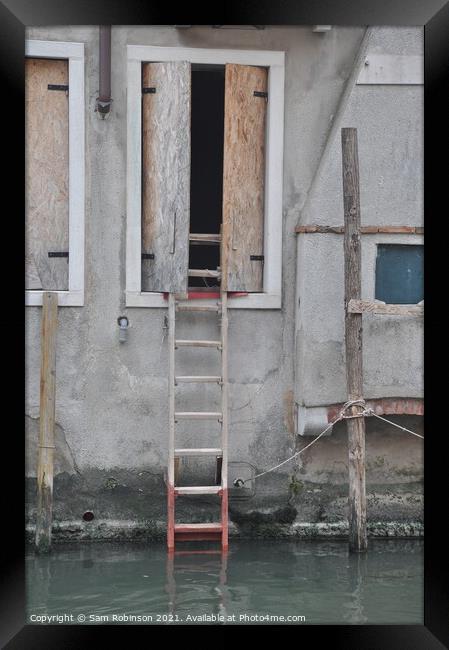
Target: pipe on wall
point(104, 99)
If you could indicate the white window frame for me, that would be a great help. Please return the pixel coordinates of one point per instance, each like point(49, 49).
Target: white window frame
point(74, 53)
point(271, 298)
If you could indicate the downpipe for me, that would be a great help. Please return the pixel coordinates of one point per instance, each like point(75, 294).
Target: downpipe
point(104, 99)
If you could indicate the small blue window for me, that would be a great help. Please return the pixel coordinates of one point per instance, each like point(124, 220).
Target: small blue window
point(400, 274)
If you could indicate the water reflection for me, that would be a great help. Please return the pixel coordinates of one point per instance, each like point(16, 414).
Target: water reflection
point(318, 580)
point(354, 607)
point(203, 567)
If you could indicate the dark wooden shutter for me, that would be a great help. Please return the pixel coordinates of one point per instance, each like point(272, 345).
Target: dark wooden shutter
point(166, 175)
point(243, 177)
point(46, 174)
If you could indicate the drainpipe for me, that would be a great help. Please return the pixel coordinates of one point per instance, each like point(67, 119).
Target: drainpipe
point(104, 99)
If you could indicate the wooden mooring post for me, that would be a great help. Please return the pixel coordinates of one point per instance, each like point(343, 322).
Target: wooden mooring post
point(46, 447)
point(353, 341)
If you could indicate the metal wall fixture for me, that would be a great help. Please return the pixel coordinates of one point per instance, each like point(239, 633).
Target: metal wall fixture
point(123, 324)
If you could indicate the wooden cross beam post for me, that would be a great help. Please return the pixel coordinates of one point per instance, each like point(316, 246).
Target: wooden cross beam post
point(47, 423)
point(353, 341)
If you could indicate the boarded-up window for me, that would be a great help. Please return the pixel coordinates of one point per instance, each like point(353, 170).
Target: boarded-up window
point(46, 174)
point(166, 175)
point(243, 177)
point(400, 274)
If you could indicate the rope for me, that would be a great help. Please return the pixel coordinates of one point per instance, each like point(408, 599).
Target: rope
point(371, 412)
point(239, 482)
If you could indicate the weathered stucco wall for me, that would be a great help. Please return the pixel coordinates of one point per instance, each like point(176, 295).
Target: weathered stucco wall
point(112, 401)
point(389, 122)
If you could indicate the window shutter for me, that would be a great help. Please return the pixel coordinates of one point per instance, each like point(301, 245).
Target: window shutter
point(166, 94)
point(46, 174)
point(243, 177)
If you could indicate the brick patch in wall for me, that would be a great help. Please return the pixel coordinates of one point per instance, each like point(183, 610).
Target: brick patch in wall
point(385, 406)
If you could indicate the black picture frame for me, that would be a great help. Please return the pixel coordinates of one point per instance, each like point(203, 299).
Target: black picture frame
point(15, 15)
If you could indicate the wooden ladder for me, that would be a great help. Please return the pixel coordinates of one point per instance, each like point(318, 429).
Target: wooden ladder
point(198, 531)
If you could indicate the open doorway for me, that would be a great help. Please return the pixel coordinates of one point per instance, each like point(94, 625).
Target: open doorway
point(206, 179)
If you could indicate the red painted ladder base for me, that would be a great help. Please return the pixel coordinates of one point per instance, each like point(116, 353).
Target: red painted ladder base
point(198, 532)
point(215, 532)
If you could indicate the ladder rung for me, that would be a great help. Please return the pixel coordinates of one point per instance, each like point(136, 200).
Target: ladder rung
point(197, 415)
point(199, 489)
point(203, 273)
point(199, 379)
point(203, 238)
point(199, 452)
point(194, 528)
point(197, 344)
point(199, 536)
point(203, 551)
point(216, 308)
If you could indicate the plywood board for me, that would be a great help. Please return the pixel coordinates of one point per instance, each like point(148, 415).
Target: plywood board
point(166, 175)
point(243, 177)
point(46, 175)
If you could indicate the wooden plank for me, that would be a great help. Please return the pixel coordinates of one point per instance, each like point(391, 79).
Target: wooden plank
point(199, 452)
point(365, 230)
point(206, 489)
point(45, 459)
point(171, 424)
point(378, 307)
point(206, 308)
point(243, 178)
point(46, 174)
point(224, 421)
point(204, 238)
point(336, 230)
point(397, 230)
point(192, 343)
point(204, 527)
point(166, 175)
point(372, 230)
point(198, 379)
point(197, 415)
point(176, 464)
point(198, 537)
point(353, 341)
point(203, 273)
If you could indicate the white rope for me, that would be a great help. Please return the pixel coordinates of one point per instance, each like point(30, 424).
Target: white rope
point(358, 402)
point(341, 416)
point(371, 412)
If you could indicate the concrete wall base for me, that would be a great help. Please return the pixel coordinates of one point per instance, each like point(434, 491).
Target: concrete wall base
point(155, 531)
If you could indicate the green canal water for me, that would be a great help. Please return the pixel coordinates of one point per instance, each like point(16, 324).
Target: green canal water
point(314, 582)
